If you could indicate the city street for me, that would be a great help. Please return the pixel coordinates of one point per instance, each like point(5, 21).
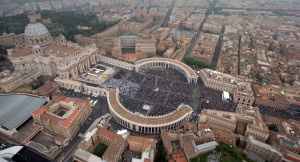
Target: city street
point(98, 110)
point(6, 65)
point(196, 36)
point(167, 18)
point(215, 58)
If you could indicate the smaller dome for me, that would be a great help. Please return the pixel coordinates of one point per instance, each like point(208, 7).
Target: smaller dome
point(36, 46)
point(35, 29)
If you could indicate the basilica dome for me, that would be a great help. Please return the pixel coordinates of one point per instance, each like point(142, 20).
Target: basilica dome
point(37, 34)
point(35, 29)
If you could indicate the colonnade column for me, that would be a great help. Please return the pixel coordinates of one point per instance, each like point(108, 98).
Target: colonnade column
point(88, 63)
point(94, 59)
point(131, 126)
point(74, 74)
point(75, 70)
point(81, 68)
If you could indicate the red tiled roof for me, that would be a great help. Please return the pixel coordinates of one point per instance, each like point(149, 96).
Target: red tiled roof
point(32, 135)
point(143, 140)
point(108, 133)
point(49, 117)
point(220, 133)
point(67, 99)
point(258, 129)
point(178, 156)
point(39, 111)
point(69, 120)
point(218, 117)
point(257, 121)
point(45, 87)
point(291, 157)
point(147, 160)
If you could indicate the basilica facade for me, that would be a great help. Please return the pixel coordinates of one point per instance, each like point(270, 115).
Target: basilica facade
point(51, 56)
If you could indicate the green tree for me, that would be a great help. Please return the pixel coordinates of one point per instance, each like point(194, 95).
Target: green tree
point(191, 61)
point(100, 149)
point(273, 127)
point(2, 58)
point(161, 153)
point(238, 141)
point(258, 77)
point(230, 153)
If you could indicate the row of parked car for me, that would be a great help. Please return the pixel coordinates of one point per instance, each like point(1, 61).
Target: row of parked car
point(3, 145)
point(93, 102)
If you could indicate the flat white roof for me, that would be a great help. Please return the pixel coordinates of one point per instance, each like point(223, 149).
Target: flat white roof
point(207, 145)
point(89, 134)
point(86, 156)
point(122, 131)
point(226, 95)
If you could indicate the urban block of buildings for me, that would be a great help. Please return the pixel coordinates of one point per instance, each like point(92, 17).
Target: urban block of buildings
point(62, 116)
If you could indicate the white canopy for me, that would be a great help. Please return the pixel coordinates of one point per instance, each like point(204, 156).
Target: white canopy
point(226, 95)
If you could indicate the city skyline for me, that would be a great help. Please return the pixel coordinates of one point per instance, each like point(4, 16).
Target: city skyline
point(150, 80)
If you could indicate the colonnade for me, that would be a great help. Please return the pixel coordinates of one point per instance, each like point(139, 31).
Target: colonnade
point(149, 129)
point(146, 124)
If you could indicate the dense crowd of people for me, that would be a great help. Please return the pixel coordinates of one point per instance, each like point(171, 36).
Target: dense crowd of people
point(182, 88)
point(175, 100)
point(126, 88)
point(133, 105)
point(167, 74)
point(136, 77)
point(280, 113)
point(149, 95)
point(162, 84)
point(212, 99)
point(129, 88)
point(113, 83)
point(121, 74)
point(138, 89)
point(295, 108)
